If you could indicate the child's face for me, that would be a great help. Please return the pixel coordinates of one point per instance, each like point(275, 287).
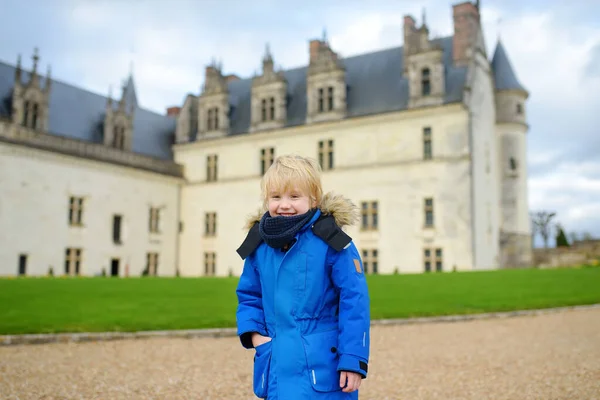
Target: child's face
point(288, 203)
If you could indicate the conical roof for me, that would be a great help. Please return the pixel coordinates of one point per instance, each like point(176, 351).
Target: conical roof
point(504, 75)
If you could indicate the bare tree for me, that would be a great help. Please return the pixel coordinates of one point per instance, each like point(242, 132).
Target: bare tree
point(541, 222)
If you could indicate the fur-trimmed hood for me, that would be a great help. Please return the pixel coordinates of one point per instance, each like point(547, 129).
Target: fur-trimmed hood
point(344, 211)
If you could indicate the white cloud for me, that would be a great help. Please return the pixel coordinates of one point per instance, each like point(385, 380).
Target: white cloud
point(572, 190)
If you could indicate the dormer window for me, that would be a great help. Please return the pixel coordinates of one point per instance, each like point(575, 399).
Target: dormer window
point(25, 113)
point(118, 137)
point(268, 109)
point(321, 106)
point(30, 100)
point(325, 107)
point(425, 82)
point(30, 109)
point(212, 123)
point(268, 101)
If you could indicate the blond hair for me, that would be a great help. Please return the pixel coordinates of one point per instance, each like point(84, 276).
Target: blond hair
point(291, 171)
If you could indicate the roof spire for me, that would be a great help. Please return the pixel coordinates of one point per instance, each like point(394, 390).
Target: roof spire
point(424, 17)
point(325, 35)
point(18, 70)
point(268, 56)
point(36, 58)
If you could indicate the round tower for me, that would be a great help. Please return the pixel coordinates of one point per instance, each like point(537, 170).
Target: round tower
point(512, 128)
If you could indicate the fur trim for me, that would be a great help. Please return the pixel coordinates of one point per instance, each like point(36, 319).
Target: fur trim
point(344, 211)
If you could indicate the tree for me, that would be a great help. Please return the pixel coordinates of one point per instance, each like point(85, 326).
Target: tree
point(561, 238)
point(541, 222)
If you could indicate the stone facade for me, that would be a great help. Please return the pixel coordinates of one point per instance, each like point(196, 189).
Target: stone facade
point(78, 216)
point(427, 139)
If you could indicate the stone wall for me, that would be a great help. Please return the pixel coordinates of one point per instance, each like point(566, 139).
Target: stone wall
point(583, 252)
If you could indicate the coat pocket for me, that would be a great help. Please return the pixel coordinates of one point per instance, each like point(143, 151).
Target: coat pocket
point(322, 360)
point(262, 362)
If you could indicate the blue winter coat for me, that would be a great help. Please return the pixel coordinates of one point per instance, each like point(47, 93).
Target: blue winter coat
point(313, 302)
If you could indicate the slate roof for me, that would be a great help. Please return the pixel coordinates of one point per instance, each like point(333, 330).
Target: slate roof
point(79, 114)
point(374, 85)
point(504, 75)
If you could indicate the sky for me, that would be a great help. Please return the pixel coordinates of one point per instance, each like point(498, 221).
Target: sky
point(553, 45)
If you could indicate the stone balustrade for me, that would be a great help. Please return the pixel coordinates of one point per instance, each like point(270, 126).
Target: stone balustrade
point(12, 133)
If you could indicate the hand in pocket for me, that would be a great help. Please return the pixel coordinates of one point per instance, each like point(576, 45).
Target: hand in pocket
point(258, 339)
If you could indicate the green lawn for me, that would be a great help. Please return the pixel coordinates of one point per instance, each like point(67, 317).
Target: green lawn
point(42, 305)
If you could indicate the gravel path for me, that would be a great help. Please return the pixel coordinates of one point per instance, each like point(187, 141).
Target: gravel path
point(552, 356)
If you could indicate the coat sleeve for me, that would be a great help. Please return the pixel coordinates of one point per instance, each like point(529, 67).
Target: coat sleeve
point(250, 315)
point(354, 310)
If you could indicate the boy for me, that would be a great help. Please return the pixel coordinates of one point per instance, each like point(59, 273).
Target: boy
point(303, 302)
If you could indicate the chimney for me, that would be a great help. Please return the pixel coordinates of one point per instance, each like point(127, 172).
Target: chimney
point(173, 111)
point(409, 25)
point(315, 45)
point(231, 78)
point(466, 29)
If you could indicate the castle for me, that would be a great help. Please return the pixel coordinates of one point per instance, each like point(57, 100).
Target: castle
point(428, 139)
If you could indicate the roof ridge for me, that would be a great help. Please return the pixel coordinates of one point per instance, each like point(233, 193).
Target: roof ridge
point(351, 57)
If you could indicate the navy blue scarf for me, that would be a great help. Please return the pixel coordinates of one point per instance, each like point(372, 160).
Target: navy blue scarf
point(278, 231)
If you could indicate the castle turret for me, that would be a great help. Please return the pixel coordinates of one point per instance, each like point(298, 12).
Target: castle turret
point(512, 128)
point(30, 100)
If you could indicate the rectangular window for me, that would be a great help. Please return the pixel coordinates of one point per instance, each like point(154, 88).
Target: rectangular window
point(118, 137)
point(267, 156)
point(210, 224)
point(211, 168)
point(209, 120)
point(22, 264)
point(425, 82)
point(154, 219)
point(326, 154)
point(73, 261)
point(34, 119)
point(75, 211)
point(210, 263)
point(432, 263)
point(263, 110)
point(427, 146)
point(428, 209)
point(152, 264)
point(370, 262)
point(369, 215)
point(212, 120)
point(272, 109)
point(25, 113)
point(321, 100)
point(330, 98)
point(117, 222)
